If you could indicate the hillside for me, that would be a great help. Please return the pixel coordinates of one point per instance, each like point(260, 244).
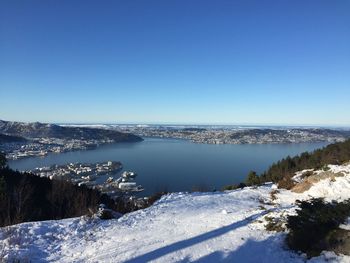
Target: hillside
point(181, 227)
point(43, 130)
point(282, 171)
point(27, 197)
point(9, 139)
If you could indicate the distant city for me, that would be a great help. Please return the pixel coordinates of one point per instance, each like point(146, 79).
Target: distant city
point(239, 134)
point(20, 140)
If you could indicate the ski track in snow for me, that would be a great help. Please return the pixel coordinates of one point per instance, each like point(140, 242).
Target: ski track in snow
point(181, 227)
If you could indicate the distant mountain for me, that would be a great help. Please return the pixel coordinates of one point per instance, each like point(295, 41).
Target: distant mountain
point(44, 130)
point(8, 138)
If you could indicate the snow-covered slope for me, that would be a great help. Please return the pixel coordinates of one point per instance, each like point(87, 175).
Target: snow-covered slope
point(181, 227)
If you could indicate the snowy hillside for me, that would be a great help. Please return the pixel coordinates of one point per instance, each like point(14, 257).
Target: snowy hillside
point(181, 227)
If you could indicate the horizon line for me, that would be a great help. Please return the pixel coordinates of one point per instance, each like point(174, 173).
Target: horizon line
point(184, 123)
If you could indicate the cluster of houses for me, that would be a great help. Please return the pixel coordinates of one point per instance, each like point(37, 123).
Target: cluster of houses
point(78, 172)
point(87, 174)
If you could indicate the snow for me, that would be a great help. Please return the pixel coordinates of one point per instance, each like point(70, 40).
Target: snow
point(340, 168)
point(181, 227)
point(298, 177)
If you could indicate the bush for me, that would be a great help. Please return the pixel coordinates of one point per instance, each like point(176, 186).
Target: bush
point(325, 168)
point(155, 197)
point(234, 186)
point(105, 213)
point(252, 179)
point(286, 183)
point(315, 220)
point(308, 173)
point(274, 224)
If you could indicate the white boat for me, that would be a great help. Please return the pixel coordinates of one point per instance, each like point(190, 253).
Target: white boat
point(127, 182)
point(128, 174)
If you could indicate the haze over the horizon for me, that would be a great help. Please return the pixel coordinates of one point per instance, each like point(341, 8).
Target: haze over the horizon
point(220, 62)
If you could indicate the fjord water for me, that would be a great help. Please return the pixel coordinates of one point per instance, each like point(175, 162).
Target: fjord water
point(178, 165)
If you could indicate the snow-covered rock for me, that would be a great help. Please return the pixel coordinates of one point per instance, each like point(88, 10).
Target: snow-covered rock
point(181, 227)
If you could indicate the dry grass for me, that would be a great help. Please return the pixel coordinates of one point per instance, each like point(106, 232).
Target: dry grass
point(339, 241)
point(286, 183)
point(274, 224)
point(273, 194)
point(309, 181)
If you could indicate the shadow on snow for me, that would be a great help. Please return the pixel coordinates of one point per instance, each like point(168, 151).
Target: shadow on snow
point(214, 257)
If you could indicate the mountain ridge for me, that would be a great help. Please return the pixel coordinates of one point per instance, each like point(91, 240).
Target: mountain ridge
point(47, 130)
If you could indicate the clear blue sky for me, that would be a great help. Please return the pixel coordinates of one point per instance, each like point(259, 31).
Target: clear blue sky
point(230, 62)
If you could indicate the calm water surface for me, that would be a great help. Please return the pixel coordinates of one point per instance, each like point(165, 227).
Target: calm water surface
point(179, 165)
